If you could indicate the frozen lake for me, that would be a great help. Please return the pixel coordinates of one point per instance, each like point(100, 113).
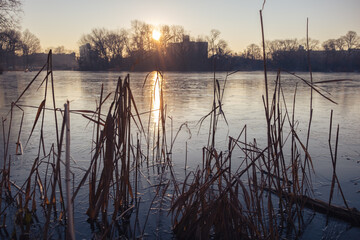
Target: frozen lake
point(188, 97)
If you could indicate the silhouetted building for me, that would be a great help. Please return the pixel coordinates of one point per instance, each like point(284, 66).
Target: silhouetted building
point(187, 55)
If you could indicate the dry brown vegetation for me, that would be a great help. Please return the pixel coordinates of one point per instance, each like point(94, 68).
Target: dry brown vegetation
point(262, 197)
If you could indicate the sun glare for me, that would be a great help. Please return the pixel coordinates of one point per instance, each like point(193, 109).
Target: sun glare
point(156, 35)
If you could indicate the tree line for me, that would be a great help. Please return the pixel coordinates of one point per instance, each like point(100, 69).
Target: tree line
point(340, 54)
point(109, 48)
point(347, 42)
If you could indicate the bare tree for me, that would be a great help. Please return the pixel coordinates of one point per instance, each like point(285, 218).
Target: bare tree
point(59, 50)
point(329, 45)
point(289, 45)
point(115, 43)
point(272, 47)
point(10, 46)
point(222, 48)
point(177, 32)
point(166, 36)
point(97, 40)
point(282, 45)
point(141, 37)
point(340, 43)
point(212, 39)
point(351, 39)
point(9, 14)
point(29, 43)
point(10, 41)
point(313, 43)
point(253, 51)
point(217, 46)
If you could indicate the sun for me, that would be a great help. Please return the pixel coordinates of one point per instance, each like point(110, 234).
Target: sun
point(156, 35)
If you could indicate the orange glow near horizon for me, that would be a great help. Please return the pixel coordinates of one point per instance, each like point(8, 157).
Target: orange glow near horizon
point(156, 35)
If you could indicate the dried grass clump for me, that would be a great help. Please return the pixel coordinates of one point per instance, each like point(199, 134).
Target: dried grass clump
point(261, 196)
point(266, 196)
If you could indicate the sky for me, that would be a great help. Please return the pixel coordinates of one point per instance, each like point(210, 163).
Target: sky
point(63, 22)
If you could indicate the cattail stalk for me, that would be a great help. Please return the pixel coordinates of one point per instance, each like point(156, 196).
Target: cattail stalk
point(70, 217)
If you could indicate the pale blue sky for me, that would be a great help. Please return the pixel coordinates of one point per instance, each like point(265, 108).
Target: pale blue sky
point(62, 22)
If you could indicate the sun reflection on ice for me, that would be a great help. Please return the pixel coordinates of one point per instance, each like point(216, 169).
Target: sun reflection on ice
point(156, 97)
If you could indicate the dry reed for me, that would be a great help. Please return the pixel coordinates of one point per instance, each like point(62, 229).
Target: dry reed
point(263, 198)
